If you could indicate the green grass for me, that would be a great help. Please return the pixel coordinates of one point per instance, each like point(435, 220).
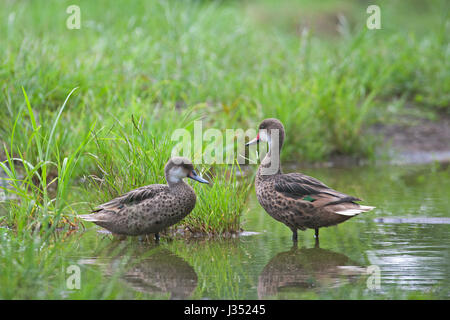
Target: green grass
point(220, 205)
point(40, 270)
point(133, 155)
point(148, 68)
point(41, 197)
point(126, 157)
point(226, 58)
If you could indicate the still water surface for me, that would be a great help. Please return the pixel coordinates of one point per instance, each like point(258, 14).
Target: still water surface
point(406, 241)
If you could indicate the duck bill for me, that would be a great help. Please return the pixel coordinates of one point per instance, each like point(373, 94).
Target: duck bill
point(254, 141)
point(194, 176)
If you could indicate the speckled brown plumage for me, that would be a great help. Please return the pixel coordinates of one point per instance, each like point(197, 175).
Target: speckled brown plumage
point(295, 199)
point(151, 208)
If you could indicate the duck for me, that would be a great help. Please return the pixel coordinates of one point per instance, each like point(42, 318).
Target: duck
point(299, 201)
point(152, 208)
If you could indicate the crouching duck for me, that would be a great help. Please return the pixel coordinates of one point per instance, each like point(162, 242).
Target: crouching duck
point(295, 199)
point(150, 209)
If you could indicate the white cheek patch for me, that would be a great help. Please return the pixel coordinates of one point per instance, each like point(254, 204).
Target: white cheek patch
point(176, 174)
point(263, 135)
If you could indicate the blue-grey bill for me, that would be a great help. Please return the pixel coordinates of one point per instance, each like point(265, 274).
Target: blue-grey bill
point(256, 140)
point(194, 176)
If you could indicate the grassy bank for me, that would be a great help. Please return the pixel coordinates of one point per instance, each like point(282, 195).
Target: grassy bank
point(47, 191)
point(237, 62)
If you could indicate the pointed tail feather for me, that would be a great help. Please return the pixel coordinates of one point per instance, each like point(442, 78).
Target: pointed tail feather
point(355, 211)
point(367, 208)
point(89, 217)
point(349, 212)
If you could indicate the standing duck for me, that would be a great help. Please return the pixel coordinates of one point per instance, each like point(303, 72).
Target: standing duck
point(152, 208)
point(295, 199)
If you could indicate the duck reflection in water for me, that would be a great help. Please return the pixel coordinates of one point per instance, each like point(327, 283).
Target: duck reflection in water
point(301, 270)
point(161, 273)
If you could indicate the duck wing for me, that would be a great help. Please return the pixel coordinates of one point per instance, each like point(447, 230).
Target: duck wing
point(104, 211)
point(305, 188)
point(132, 197)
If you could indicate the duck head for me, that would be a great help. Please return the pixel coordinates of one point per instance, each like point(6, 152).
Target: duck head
point(179, 168)
point(271, 131)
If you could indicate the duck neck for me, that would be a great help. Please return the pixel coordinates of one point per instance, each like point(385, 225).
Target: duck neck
point(174, 182)
point(271, 164)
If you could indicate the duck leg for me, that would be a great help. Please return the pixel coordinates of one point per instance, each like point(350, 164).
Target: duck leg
point(294, 235)
point(119, 237)
point(157, 237)
point(316, 236)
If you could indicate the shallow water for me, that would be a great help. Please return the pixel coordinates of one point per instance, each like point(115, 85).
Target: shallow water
point(405, 241)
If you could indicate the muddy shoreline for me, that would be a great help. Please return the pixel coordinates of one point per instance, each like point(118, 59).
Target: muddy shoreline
point(411, 139)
